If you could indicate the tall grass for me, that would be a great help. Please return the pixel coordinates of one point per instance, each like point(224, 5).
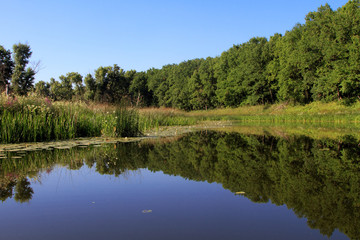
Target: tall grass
point(29, 119)
point(316, 112)
point(33, 119)
point(155, 117)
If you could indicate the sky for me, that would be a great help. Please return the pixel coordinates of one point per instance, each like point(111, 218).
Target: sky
point(82, 35)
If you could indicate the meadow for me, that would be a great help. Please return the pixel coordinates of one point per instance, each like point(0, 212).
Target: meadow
point(315, 112)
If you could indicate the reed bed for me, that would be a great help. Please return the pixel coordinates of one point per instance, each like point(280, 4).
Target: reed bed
point(34, 119)
point(30, 119)
point(155, 117)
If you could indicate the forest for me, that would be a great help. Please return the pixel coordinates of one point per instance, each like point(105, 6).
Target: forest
point(315, 61)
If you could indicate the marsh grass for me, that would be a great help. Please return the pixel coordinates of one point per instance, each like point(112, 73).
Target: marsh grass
point(30, 119)
point(155, 117)
point(316, 112)
point(33, 119)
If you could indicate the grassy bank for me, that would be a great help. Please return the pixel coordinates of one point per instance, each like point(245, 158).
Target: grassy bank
point(32, 119)
point(316, 112)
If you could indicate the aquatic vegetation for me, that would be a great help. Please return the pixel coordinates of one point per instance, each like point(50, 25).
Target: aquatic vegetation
point(156, 117)
point(28, 119)
point(33, 119)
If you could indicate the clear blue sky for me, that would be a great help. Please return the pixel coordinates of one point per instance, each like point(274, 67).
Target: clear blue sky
point(82, 35)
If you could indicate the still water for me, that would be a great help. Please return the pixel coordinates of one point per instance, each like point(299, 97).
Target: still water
point(203, 185)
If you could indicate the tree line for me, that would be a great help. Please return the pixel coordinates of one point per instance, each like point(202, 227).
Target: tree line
point(315, 61)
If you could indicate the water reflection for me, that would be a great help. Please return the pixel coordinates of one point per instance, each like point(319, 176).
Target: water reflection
point(317, 179)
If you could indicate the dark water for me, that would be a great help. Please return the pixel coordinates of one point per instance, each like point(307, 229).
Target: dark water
point(185, 188)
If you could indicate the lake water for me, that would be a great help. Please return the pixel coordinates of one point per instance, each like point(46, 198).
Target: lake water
point(203, 185)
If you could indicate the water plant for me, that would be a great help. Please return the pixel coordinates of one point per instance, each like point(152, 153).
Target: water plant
point(29, 119)
point(34, 119)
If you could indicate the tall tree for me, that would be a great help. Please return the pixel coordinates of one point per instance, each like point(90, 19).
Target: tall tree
point(273, 67)
point(112, 84)
point(77, 80)
point(140, 91)
point(22, 77)
point(6, 67)
point(90, 87)
point(202, 86)
point(290, 77)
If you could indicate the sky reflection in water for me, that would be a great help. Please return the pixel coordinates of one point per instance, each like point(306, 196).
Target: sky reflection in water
point(83, 204)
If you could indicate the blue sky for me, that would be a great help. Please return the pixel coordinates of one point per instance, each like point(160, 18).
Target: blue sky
point(80, 36)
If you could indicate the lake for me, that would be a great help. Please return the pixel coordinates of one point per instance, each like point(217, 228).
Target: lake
point(200, 185)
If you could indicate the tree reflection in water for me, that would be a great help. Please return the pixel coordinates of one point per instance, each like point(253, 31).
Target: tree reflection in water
point(317, 179)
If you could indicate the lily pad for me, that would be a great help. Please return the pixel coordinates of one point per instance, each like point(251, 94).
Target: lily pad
point(239, 193)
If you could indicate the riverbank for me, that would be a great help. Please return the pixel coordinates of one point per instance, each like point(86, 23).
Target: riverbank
point(316, 112)
point(31, 119)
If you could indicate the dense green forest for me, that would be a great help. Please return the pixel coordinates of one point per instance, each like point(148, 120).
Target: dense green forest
point(315, 61)
point(317, 179)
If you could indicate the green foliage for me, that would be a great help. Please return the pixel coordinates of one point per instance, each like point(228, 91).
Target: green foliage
point(37, 119)
point(42, 89)
point(139, 90)
point(315, 61)
point(111, 84)
point(90, 87)
point(202, 86)
point(6, 67)
point(122, 122)
point(22, 78)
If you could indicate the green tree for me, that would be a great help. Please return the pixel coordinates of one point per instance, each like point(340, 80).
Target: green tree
point(159, 84)
point(55, 89)
point(111, 84)
point(202, 86)
point(273, 67)
point(139, 89)
point(227, 89)
point(61, 90)
point(290, 78)
point(90, 87)
point(23, 191)
point(66, 91)
point(42, 89)
point(22, 77)
point(77, 80)
point(6, 67)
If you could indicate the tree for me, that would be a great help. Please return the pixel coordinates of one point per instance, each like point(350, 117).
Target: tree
point(6, 67)
point(202, 86)
point(76, 79)
point(228, 90)
point(90, 87)
point(61, 90)
point(55, 87)
point(23, 191)
point(273, 66)
point(22, 77)
point(111, 84)
point(139, 89)
point(290, 78)
point(66, 90)
point(42, 89)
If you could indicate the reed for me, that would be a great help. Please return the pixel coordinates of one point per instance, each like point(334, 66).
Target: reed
point(30, 119)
